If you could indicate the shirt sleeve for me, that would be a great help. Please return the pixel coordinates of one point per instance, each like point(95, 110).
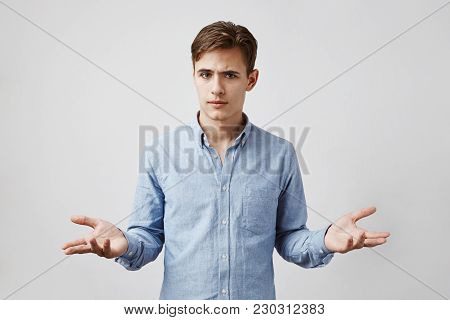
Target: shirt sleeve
point(294, 241)
point(145, 232)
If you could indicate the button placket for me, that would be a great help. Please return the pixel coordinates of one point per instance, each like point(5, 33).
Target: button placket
point(224, 247)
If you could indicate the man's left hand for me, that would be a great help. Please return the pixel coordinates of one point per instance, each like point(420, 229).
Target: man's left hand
point(344, 236)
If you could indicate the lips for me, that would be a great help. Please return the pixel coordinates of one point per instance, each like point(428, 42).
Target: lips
point(217, 102)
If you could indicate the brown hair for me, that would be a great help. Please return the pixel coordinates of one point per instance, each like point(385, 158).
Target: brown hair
point(225, 35)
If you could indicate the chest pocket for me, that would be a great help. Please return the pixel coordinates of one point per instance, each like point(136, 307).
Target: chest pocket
point(259, 208)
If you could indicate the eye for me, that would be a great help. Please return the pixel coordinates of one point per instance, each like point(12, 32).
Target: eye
point(230, 75)
point(204, 75)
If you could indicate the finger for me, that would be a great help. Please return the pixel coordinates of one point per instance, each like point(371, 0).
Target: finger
point(73, 243)
point(364, 213)
point(374, 235)
point(348, 246)
point(360, 240)
point(84, 220)
point(95, 247)
point(78, 249)
point(374, 242)
point(107, 248)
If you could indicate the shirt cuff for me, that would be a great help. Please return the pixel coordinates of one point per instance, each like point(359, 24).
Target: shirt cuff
point(133, 244)
point(318, 243)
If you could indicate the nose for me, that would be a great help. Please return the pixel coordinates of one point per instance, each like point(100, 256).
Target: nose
point(217, 87)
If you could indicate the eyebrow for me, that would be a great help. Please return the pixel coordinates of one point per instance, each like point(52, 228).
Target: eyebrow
point(208, 70)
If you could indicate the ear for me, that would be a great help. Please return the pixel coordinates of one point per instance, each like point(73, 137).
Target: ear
point(252, 79)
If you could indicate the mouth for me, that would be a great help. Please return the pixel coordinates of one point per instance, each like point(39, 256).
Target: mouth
point(217, 103)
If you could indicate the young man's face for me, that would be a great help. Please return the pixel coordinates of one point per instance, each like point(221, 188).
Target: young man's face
point(220, 76)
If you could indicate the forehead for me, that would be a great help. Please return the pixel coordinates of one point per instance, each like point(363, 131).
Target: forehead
point(222, 59)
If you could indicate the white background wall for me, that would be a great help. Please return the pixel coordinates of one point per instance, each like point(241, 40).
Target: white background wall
point(379, 133)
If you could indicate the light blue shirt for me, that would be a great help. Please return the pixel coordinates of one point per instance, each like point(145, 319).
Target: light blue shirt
point(221, 222)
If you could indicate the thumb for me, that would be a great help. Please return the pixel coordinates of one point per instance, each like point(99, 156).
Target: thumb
point(84, 220)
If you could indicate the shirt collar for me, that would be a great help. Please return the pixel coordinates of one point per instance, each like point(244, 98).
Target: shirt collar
point(199, 134)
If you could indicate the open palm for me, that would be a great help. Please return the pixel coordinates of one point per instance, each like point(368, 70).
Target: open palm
point(105, 240)
point(344, 235)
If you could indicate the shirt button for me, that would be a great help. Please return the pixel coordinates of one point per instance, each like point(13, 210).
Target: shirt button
point(224, 188)
point(224, 291)
point(224, 257)
point(131, 253)
point(224, 221)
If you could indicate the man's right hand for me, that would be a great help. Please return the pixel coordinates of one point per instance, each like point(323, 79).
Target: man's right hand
point(106, 240)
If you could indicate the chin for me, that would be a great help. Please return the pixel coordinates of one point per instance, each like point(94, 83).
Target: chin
point(218, 114)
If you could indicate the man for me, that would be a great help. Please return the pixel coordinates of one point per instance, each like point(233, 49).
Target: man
point(221, 193)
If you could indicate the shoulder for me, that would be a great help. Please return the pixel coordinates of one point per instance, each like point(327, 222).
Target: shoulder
point(161, 145)
point(275, 143)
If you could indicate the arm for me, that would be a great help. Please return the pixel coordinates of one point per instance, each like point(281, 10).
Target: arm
point(294, 241)
point(143, 240)
point(145, 232)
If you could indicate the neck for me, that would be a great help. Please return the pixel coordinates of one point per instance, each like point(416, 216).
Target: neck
point(221, 132)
